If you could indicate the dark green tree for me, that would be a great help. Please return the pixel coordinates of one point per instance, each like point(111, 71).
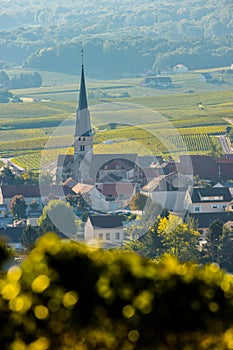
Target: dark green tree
point(9, 177)
point(5, 96)
point(212, 249)
point(77, 201)
point(5, 253)
point(226, 254)
point(29, 237)
point(34, 206)
point(138, 202)
point(58, 216)
point(18, 206)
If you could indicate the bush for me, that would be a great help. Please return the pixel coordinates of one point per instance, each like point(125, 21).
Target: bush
point(68, 296)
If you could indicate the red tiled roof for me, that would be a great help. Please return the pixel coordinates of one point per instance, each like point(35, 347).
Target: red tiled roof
point(82, 188)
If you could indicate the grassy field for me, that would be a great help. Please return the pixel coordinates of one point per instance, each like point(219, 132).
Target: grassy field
point(177, 120)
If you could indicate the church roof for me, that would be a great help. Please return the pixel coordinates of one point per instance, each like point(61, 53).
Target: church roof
point(98, 161)
point(83, 123)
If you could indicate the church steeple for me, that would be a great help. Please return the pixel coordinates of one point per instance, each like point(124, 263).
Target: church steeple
point(83, 137)
point(83, 123)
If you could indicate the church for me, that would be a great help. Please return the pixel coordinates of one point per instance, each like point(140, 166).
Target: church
point(86, 167)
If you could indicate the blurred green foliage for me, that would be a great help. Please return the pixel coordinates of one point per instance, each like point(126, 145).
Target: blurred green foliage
point(68, 296)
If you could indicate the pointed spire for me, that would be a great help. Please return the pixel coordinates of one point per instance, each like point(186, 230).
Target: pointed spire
point(83, 123)
point(82, 104)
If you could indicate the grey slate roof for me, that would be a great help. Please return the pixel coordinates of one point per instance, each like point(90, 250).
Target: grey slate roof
point(108, 221)
point(205, 219)
point(198, 193)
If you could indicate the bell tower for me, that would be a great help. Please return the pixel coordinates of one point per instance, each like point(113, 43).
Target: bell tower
point(83, 137)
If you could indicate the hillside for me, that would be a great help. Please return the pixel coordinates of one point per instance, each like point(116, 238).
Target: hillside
point(120, 38)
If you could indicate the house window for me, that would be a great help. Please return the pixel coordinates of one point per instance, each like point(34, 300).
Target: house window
point(108, 236)
point(117, 236)
point(214, 206)
point(197, 208)
point(101, 236)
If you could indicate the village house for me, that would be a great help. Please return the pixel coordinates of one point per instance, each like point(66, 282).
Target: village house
point(205, 219)
point(168, 190)
point(107, 230)
point(207, 199)
point(205, 167)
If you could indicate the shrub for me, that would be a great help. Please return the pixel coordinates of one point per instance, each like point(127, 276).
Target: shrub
point(68, 296)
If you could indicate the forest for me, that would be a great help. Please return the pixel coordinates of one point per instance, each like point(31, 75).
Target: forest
point(119, 38)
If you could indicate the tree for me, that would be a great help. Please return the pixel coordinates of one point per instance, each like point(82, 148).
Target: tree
point(226, 254)
point(18, 206)
point(77, 201)
point(34, 206)
point(178, 238)
point(213, 246)
point(9, 177)
point(58, 216)
point(29, 177)
point(215, 151)
point(228, 129)
point(29, 237)
point(138, 202)
point(5, 96)
point(146, 222)
point(5, 253)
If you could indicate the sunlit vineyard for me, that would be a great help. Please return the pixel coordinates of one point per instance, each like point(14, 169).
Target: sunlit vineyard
point(40, 159)
point(192, 142)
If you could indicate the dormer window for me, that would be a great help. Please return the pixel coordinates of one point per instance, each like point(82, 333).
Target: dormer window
point(212, 198)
